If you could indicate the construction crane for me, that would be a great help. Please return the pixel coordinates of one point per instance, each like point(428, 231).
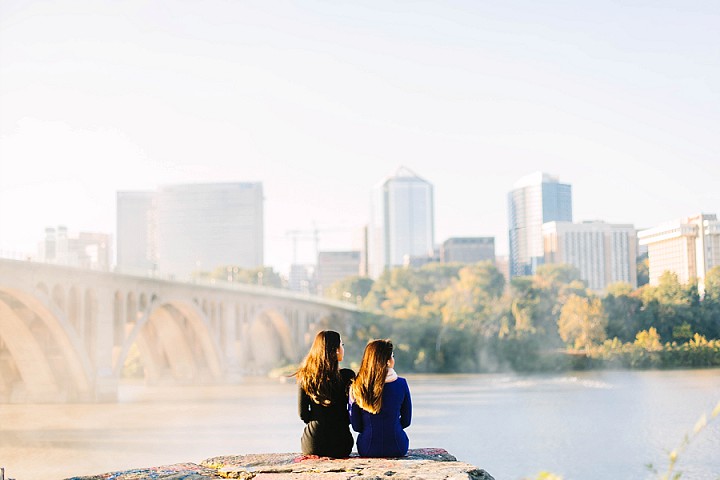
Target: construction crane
point(313, 235)
point(297, 234)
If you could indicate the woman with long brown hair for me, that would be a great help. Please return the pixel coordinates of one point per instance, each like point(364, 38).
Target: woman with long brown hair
point(381, 404)
point(323, 398)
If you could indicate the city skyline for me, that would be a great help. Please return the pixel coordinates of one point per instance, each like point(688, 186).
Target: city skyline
point(320, 101)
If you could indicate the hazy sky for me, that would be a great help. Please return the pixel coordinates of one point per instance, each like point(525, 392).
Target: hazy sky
point(320, 100)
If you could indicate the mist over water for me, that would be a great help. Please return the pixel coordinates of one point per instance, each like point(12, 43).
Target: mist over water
point(579, 425)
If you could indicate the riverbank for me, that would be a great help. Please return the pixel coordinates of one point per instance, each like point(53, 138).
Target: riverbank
point(425, 463)
point(697, 353)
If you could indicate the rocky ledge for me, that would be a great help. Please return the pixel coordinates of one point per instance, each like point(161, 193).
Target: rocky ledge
point(422, 463)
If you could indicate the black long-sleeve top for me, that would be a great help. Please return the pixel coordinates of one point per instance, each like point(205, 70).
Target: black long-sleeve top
point(327, 432)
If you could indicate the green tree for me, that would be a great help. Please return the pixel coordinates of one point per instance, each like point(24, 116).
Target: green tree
point(582, 322)
point(408, 291)
point(406, 299)
point(556, 275)
point(471, 293)
point(710, 305)
point(524, 304)
point(528, 331)
point(643, 269)
point(648, 339)
point(470, 314)
point(622, 306)
point(537, 300)
point(670, 304)
point(682, 333)
point(354, 289)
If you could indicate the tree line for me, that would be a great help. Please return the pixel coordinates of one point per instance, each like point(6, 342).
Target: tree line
point(465, 318)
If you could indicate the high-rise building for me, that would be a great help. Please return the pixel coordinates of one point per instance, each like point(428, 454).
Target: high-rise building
point(200, 227)
point(135, 247)
point(688, 247)
point(603, 253)
point(302, 278)
point(535, 199)
point(468, 249)
point(401, 221)
point(334, 266)
point(84, 250)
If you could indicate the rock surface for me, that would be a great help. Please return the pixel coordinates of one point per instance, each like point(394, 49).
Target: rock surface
point(424, 463)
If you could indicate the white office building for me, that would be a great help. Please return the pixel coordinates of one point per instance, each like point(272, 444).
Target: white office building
point(688, 247)
point(401, 221)
point(603, 253)
point(335, 266)
point(199, 227)
point(135, 248)
point(180, 229)
point(88, 250)
point(468, 249)
point(302, 278)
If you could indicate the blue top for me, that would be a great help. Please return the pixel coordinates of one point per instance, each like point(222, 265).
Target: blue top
point(382, 434)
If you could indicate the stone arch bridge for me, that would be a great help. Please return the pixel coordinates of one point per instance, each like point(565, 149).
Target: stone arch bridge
point(67, 334)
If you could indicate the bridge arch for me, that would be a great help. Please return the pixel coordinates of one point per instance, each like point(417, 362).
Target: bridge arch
point(46, 362)
point(271, 343)
point(175, 343)
point(58, 297)
point(42, 288)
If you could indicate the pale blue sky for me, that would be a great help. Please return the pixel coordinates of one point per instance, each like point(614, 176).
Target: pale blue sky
point(319, 100)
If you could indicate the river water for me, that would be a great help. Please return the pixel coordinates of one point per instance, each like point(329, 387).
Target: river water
point(588, 425)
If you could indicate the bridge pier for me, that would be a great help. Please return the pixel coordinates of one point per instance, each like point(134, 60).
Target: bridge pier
point(102, 343)
point(106, 387)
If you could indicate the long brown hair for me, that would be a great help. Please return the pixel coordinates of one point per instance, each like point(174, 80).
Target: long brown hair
point(318, 373)
point(370, 381)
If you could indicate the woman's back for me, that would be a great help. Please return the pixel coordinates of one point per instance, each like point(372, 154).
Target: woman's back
point(323, 398)
point(382, 434)
point(326, 432)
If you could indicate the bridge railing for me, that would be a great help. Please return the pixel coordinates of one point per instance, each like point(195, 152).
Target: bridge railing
point(17, 255)
point(261, 290)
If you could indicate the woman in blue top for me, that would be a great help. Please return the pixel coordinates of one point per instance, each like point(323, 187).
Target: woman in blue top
point(381, 406)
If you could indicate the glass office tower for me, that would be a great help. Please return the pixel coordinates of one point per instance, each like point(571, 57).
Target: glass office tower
point(534, 200)
point(401, 221)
